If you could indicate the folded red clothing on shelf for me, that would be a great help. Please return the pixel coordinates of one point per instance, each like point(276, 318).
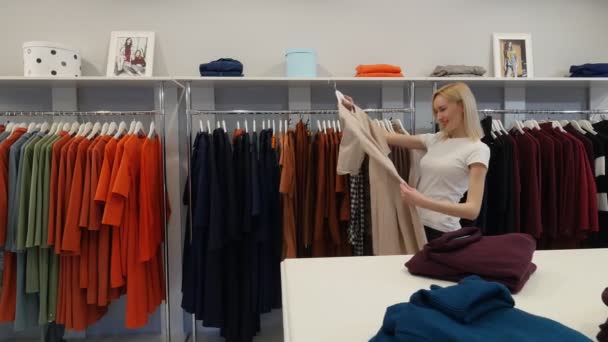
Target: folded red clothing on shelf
point(379, 74)
point(375, 68)
point(506, 259)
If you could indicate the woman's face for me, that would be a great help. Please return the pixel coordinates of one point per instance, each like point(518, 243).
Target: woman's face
point(137, 53)
point(450, 115)
point(129, 41)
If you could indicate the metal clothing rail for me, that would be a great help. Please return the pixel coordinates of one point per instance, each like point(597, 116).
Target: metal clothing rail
point(295, 112)
point(77, 113)
point(542, 112)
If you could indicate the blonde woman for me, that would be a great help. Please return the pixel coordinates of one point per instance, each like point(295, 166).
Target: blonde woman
point(455, 162)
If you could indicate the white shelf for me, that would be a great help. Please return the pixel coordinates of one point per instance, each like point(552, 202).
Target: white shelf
point(77, 82)
point(150, 82)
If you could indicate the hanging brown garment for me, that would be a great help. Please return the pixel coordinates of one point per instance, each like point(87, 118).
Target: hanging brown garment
point(287, 189)
point(396, 227)
point(301, 145)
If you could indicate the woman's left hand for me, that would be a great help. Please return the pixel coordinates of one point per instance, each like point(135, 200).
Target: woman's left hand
point(411, 196)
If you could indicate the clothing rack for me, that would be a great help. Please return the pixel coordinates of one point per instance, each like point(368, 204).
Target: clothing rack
point(190, 113)
point(161, 113)
point(296, 112)
point(77, 113)
point(542, 112)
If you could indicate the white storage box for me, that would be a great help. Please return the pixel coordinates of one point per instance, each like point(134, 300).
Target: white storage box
point(48, 59)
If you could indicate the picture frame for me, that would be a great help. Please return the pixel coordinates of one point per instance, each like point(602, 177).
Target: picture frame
point(513, 55)
point(131, 54)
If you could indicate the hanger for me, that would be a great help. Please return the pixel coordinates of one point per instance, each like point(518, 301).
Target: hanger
point(517, 127)
point(31, 127)
point(224, 124)
point(558, 125)
point(139, 128)
point(577, 127)
point(104, 129)
point(263, 124)
point(564, 122)
point(94, 131)
point(286, 126)
point(280, 126)
point(253, 125)
point(132, 127)
point(53, 128)
point(586, 125)
point(246, 126)
point(74, 128)
point(339, 128)
point(9, 127)
point(238, 125)
point(319, 126)
point(44, 127)
point(87, 129)
point(112, 128)
point(273, 127)
point(209, 127)
point(200, 123)
point(122, 126)
point(152, 132)
point(401, 125)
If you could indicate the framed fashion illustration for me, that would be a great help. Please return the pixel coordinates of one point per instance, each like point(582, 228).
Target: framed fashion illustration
point(130, 54)
point(513, 55)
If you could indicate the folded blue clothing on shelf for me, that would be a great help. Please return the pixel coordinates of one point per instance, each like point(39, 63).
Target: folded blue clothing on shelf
point(222, 65)
point(221, 74)
point(473, 310)
point(589, 70)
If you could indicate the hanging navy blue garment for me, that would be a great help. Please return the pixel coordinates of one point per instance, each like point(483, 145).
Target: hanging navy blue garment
point(189, 268)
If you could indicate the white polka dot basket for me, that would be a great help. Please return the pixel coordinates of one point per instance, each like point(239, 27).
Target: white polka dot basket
point(48, 59)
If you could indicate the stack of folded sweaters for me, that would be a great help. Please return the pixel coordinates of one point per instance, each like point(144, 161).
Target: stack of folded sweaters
point(474, 310)
point(506, 259)
point(379, 70)
point(458, 71)
point(602, 336)
point(222, 67)
point(589, 70)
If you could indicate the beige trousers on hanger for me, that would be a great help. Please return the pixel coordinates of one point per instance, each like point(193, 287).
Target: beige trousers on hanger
point(396, 227)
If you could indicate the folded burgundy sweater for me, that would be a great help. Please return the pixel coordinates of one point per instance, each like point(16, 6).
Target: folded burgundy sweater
point(506, 259)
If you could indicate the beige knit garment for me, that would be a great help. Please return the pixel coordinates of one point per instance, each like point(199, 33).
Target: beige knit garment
point(396, 227)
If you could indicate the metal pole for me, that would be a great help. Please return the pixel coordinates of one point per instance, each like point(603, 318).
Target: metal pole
point(189, 137)
point(161, 102)
point(433, 115)
point(413, 107)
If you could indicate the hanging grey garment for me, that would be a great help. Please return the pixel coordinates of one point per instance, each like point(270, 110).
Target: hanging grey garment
point(396, 227)
point(26, 311)
point(14, 158)
point(4, 135)
point(458, 70)
point(356, 225)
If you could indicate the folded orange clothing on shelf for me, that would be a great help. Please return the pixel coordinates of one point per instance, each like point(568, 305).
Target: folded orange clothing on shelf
point(380, 74)
point(375, 68)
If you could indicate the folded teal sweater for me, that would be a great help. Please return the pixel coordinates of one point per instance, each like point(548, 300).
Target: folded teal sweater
point(473, 310)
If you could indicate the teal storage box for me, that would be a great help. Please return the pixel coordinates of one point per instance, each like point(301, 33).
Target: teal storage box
point(301, 63)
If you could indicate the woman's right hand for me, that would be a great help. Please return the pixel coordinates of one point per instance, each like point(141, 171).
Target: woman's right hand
point(348, 102)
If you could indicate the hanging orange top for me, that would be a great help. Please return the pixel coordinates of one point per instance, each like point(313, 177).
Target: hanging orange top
point(5, 146)
point(126, 190)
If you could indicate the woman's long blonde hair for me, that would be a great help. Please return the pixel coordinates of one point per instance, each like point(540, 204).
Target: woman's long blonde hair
point(461, 93)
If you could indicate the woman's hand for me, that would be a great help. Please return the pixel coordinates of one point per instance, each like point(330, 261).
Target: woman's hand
point(411, 196)
point(348, 102)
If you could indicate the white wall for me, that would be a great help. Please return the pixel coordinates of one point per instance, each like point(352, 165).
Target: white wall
point(414, 34)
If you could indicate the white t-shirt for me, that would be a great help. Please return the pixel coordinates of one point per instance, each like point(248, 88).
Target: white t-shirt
point(444, 174)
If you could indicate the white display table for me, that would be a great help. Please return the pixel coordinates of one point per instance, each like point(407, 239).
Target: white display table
point(344, 299)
